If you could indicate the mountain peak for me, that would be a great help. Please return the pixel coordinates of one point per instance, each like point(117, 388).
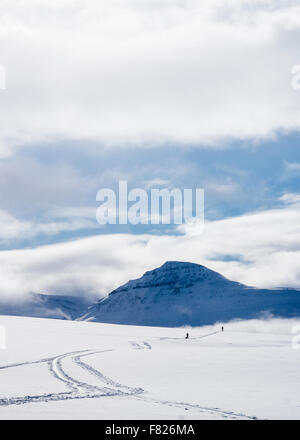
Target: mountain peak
point(174, 263)
point(181, 271)
point(181, 293)
point(180, 265)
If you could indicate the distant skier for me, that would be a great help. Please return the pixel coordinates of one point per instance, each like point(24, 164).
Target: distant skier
point(187, 336)
point(222, 328)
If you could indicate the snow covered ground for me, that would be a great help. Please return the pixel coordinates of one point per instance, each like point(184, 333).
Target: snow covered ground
point(54, 369)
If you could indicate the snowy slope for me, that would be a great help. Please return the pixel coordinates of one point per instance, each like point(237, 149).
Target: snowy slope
point(46, 306)
point(179, 293)
point(54, 369)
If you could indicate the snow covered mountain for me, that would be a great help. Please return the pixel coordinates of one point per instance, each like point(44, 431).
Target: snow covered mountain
point(46, 306)
point(179, 293)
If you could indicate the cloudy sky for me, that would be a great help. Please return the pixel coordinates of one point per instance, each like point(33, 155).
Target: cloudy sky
point(168, 93)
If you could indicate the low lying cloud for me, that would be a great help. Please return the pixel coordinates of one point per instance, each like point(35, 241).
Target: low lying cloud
point(266, 246)
point(277, 326)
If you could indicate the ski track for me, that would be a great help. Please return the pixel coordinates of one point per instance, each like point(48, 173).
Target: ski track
point(83, 390)
point(122, 389)
point(195, 337)
point(189, 406)
point(140, 346)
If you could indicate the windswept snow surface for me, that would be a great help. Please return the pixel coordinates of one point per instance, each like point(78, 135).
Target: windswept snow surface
point(179, 293)
point(54, 369)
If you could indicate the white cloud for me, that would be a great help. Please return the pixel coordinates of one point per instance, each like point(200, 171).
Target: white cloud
point(228, 187)
point(267, 243)
point(290, 198)
point(130, 71)
point(292, 166)
point(13, 230)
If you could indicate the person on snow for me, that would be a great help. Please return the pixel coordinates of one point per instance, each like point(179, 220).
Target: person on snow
point(187, 336)
point(222, 328)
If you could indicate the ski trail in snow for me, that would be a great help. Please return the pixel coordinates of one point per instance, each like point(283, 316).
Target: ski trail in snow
point(164, 338)
point(111, 388)
point(140, 346)
point(78, 389)
point(106, 379)
point(136, 345)
point(189, 406)
point(20, 364)
point(206, 336)
point(39, 361)
point(57, 370)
